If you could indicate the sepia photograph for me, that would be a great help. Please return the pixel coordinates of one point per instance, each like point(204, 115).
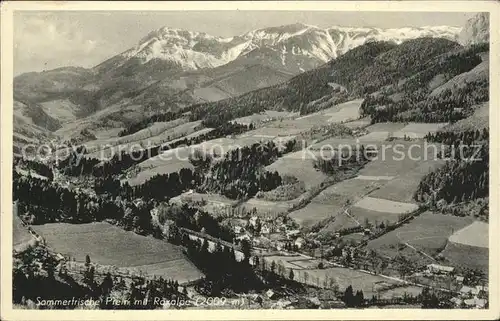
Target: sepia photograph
point(214, 157)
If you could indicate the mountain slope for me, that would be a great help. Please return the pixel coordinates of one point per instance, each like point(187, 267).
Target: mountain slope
point(290, 48)
point(171, 69)
point(363, 70)
point(477, 30)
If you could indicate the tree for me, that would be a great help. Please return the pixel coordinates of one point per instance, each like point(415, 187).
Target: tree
point(246, 249)
point(87, 260)
point(291, 275)
point(348, 297)
point(359, 299)
point(107, 284)
point(273, 266)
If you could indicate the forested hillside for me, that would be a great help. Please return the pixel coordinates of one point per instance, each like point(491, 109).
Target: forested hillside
point(391, 74)
point(441, 90)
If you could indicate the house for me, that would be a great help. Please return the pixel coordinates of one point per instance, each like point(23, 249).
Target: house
point(138, 202)
point(60, 257)
point(265, 229)
point(459, 279)
point(456, 301)
point(439, 269)
point(475, 302)
point(244, 237)
point(238, 229)
point(299, 242)
point(270, 293)
point(468, 291)
point(292, 233)
point(253, 220)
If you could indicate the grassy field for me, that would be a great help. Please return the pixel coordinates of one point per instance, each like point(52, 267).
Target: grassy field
point(469, 247)
point(427, 232)
point(400, 291)
point(385, 127)
point(293, 164)
point(351, 188)
point(362, 214)
point(398, 157)
point(341, 221)
point(266, 208)
point(107, 244)
point(418, 130)
point(403, 187)
point(382, 205)
point(475, 235)
point(465, 256)
point(314, 213)
point(159, 131)
point(306, 272)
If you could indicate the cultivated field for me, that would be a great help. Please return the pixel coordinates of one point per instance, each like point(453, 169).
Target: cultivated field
point(398, 157)
point(427, 232)
point(306, 271)
point(382, 205)
point(267, 208)
point(469, 247)
point(157, 134)
point(107, 244)
point(465, 256)
point(351, 188)
point(475, 234)
point(403, 187)
point(418, 130)
point(314, 213)
point(294, 164)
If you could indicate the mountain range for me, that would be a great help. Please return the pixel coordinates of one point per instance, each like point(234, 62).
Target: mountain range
point(170, 69)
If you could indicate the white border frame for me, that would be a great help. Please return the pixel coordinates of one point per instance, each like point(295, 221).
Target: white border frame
point(7, 9)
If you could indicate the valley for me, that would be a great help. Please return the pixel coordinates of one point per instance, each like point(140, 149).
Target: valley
point(329, 179)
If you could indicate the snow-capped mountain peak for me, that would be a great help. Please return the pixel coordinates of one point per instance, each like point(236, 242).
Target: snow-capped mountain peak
point(296, 47)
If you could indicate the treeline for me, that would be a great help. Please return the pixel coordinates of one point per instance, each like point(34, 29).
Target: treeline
point(164, 186)
point(240, 173)
point(41, 202)
point(465, 176)
point(175, 217)
point(414, 102)
point(144, 123)
point(345, 160)
point(77, 164)
point(457, 181)
point(223, 272)
point(449, 106)
point(451, 138)
point(38, 167)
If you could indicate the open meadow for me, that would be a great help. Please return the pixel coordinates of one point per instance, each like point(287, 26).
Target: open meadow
point(306, 271)
point(107, 244)
point(469, 247)
point(427, 232)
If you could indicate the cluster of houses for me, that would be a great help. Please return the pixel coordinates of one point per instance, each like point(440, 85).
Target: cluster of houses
point(470, 296)
point(267, 232)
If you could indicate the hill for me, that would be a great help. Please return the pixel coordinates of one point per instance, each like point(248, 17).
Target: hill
point(364, 70)
point(170, 69)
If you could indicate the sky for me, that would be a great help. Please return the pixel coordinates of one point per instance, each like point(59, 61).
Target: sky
point(48, 40)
